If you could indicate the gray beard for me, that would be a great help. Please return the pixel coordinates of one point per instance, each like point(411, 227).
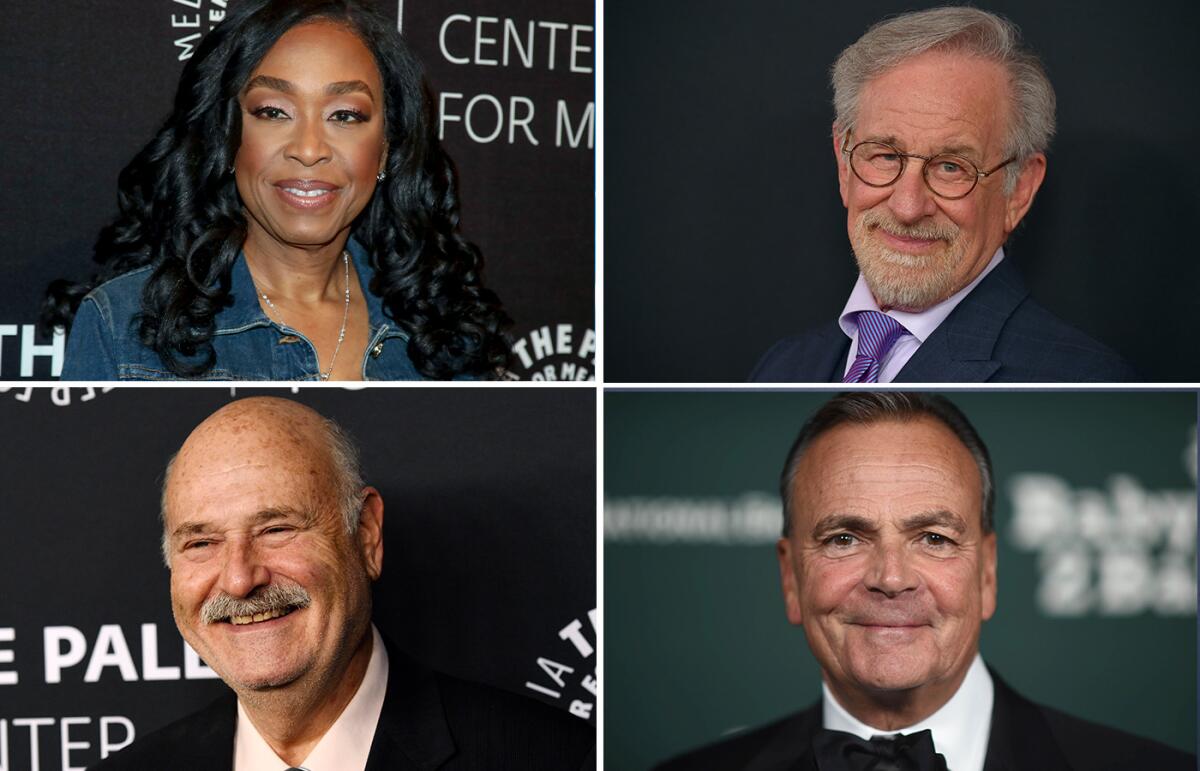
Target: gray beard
point(905, 281)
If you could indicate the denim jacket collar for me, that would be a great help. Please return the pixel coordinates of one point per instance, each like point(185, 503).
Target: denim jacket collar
point(104, 343)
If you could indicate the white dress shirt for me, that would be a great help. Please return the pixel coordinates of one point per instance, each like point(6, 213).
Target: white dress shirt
point(919, 325)
point(960, 728)
point(346, 744)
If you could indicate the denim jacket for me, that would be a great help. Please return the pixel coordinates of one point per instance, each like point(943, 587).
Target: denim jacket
point(104, 344)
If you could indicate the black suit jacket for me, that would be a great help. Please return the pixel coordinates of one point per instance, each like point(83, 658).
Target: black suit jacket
point(997, 333)
point(1024, 737)
point(429, 721)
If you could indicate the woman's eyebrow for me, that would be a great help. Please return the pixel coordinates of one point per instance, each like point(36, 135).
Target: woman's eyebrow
point(337, 88)
point(349, 87)
point(266, 81)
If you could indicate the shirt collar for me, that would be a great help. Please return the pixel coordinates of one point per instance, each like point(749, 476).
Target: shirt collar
point(347, 742)
point(921, 324)
point(960, 727)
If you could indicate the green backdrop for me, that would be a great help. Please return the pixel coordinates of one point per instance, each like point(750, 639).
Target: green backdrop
point(1096, 514)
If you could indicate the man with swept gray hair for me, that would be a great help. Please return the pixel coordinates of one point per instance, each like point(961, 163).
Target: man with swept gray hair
point(943, 119)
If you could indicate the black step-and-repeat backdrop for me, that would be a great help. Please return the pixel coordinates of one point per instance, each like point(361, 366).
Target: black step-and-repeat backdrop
point(724, 227)
point(1096, 525)
point(489, 569)
point(91, 80)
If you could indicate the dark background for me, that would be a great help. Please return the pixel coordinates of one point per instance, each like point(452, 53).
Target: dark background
point(1092, 488)
point(87, 83)
point(724, 229)
point(489, 526)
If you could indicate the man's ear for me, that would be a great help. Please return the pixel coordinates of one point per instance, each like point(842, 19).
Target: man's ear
point(789, 581)
point(370, 532)
point(987, 583)
point(1029, 181)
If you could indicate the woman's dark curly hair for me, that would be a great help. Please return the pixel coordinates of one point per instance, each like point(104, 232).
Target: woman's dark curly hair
point(180, 211)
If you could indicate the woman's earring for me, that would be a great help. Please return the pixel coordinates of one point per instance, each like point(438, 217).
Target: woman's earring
point(381, 176)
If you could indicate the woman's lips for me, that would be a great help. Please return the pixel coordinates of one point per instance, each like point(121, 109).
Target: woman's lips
point(305, 194)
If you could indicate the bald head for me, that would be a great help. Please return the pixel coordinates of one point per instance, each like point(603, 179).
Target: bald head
point(273, 433)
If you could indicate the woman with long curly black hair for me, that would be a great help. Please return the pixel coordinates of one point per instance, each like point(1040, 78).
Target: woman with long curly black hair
point(294, 219)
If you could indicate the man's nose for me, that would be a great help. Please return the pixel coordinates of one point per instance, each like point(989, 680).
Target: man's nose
point(242, 570)
point(911, 200)
point(890, 570)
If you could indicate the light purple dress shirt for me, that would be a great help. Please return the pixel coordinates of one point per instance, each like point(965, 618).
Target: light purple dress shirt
point(919, 325)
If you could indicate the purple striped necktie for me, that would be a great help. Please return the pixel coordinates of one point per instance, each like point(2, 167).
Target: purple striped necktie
point(877, 334)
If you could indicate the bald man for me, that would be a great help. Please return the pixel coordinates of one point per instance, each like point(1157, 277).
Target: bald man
point(273, 542)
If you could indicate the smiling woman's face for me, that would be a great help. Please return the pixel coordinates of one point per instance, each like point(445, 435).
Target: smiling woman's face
point(313, 137)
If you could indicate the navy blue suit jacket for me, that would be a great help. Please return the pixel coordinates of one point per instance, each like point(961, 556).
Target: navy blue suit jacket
point(996, 334)
point(429, 721)
point(1023, 736)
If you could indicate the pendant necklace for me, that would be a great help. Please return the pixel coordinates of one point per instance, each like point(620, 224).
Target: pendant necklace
point(345, 313)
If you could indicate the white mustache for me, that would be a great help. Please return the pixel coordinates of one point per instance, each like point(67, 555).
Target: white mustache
point(274, 597)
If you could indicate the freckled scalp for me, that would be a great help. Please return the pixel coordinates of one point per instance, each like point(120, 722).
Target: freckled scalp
point(269, 431)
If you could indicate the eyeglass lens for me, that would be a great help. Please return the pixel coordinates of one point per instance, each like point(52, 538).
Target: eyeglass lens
point(880, 165)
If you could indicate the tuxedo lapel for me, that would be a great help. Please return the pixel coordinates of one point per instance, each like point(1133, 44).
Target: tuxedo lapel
point(1020, 737)
point(412, 731)
point(961, 348)
point(209, 737)
point(790, 746)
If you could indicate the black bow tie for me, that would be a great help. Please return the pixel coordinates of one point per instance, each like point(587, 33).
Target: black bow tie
point(841, 751)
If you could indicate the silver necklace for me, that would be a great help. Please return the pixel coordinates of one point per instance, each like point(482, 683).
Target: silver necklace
point(345, 313)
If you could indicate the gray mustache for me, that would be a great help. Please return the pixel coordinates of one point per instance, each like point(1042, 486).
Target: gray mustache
point(273, 597)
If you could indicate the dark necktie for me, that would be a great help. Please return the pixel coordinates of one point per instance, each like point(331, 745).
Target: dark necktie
point(841, 751)
point(877, 333)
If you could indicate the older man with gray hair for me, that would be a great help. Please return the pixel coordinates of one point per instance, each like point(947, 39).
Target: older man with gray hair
point(943, 119)
point(273, 542)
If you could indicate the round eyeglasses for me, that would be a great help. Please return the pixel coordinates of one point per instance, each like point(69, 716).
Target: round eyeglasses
point(947, 175)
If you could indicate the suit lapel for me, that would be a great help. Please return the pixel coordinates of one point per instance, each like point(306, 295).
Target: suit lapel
point(412, 731)
point(961, 348)
point(210, 737)
point(790, 746)
point(1020, 737)
point(830, 354)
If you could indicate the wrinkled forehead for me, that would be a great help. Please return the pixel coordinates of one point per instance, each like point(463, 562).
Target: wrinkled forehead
point(936, 97)
point(899, 462)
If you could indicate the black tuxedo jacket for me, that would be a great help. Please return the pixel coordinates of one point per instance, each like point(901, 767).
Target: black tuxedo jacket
point(1024, 737)
point(997, 333)
point(429, 721)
